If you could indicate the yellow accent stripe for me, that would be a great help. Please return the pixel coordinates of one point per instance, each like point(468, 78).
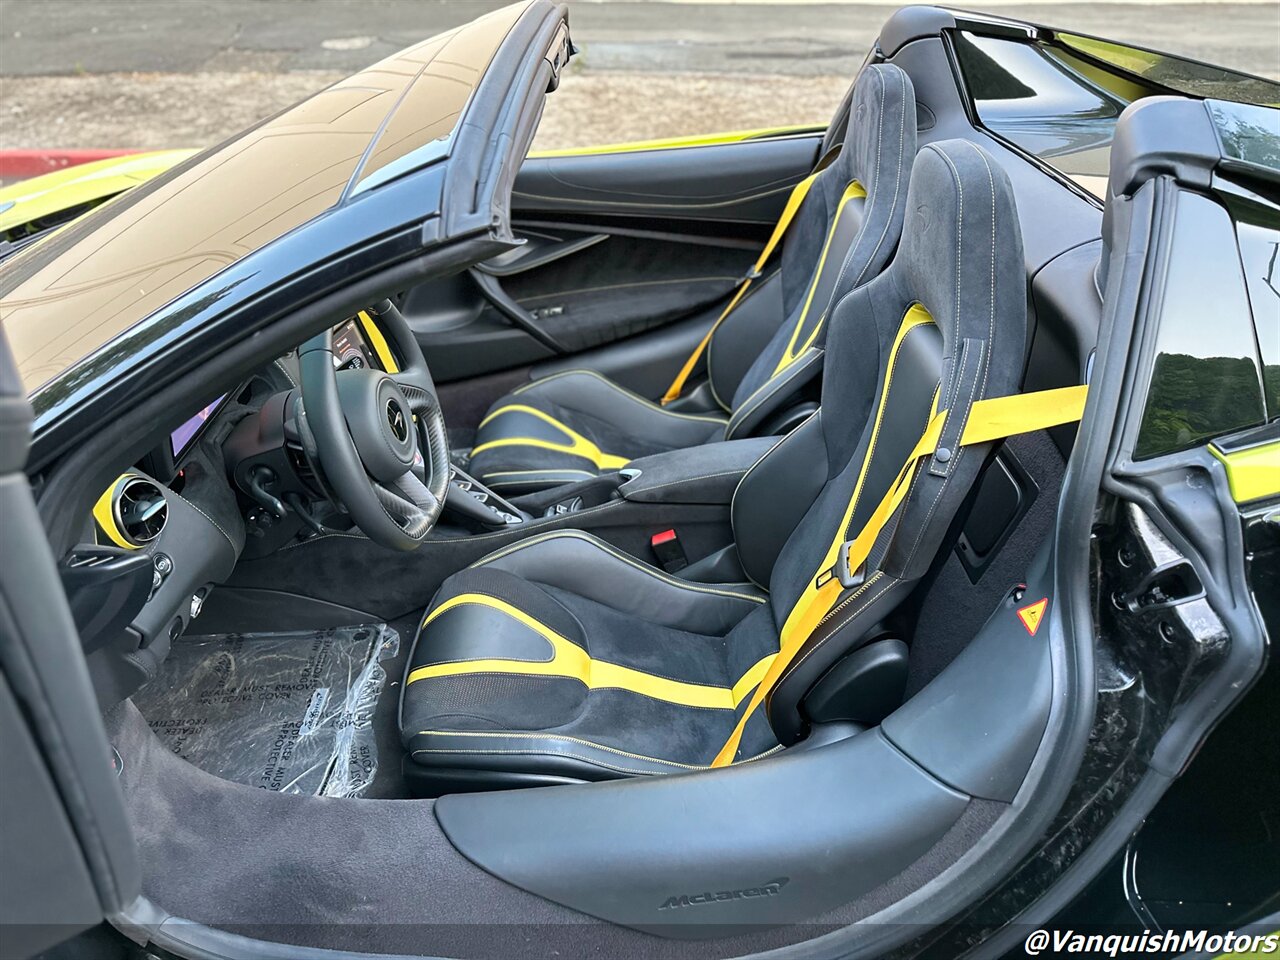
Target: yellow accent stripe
point(379, 343)
point(571, 661)
point(577, 445)
point(916, 316)
point(798, 193)
point(988, 420)
point(854, 191)
point(1252, 473)
point(106, 517)
point(676, 143)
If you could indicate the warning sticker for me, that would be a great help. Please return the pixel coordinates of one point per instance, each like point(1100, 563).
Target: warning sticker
point(315, 711)
point(1032, 615)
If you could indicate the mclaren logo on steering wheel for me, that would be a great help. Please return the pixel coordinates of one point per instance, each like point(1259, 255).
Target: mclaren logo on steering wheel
point(396, 418)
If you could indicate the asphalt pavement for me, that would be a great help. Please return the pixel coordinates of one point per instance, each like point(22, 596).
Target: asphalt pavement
point(72, 37)
point(150, 74)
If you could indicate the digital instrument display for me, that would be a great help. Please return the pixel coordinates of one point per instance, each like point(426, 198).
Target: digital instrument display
point(182, 437)
point(351, 350)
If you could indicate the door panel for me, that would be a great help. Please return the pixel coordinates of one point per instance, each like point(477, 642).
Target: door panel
point(616, 247)
point(623, 286)
point(69, 854)
point(745, 181)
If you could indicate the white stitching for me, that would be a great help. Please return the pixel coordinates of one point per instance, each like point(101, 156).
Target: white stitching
point(674, 483)
point(234, 548)
point(285, 370)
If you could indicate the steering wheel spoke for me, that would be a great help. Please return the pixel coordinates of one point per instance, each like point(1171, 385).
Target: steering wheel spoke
point(418, 390)
point(409, 503)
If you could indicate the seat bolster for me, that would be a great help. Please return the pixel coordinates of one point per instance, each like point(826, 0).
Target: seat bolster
point(575, 425)
point(546, 754)
point(587, 566)
point(769, 397)
point(597, 398)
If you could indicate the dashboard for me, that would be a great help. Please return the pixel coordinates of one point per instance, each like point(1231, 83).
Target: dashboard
point(166, 531)
point(351, 348)
point(357, 344)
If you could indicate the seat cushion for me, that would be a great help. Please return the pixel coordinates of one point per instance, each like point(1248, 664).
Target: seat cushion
point(575, 425)
point(562, 656)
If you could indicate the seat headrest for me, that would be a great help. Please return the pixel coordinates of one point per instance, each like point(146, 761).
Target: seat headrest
point(883, 98)
point(961, 250)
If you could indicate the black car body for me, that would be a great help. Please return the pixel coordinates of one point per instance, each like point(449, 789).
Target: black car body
point(1096, 611)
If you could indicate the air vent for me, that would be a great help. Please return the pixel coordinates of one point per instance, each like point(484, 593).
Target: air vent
point(140, 511)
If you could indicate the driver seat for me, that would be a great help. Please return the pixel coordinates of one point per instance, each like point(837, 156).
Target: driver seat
point(766, 345)
point(561, 658)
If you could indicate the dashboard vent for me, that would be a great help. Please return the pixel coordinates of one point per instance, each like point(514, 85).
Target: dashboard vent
point(140, 511)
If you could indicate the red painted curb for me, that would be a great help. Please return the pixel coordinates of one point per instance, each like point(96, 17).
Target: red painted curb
point(20, 164)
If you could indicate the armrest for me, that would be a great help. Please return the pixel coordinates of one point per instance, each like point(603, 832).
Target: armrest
point(705, 474)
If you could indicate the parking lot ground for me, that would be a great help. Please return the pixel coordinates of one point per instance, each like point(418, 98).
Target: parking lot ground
point(147, 74)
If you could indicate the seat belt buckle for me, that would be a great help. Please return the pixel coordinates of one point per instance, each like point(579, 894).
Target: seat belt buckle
point(667, 548)
point(849, 578)
point(752, 274)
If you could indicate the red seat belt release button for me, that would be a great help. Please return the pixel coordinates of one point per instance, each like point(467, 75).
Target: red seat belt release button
point(666, 547)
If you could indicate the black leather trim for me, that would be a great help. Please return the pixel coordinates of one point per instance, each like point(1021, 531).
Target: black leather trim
point(775, 393)
point(514, 751)
point(589, 567)
point(473, 632)
point(775, 495)
point(706, 474)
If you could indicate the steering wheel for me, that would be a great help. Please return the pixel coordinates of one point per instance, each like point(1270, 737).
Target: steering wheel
point(379, 437)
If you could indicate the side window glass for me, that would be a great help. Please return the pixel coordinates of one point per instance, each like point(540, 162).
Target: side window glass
point(1205, 380)
point(1260, 253)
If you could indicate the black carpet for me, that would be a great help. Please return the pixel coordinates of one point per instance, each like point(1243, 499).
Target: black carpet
point(388, 783)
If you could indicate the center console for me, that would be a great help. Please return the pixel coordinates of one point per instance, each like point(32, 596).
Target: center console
point(471, 501)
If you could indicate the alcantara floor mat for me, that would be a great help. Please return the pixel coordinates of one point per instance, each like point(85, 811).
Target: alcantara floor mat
point(291, 712)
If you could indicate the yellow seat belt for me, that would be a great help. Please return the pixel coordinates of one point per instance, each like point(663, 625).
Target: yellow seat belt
point(798, 193)
point(992, 419)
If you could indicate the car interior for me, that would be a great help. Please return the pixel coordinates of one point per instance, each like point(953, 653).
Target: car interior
point(712, 514)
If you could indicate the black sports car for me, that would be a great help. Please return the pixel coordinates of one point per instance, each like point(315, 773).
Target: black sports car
point(855, 541)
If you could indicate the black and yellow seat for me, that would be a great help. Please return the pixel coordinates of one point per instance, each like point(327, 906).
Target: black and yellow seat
point(563, 658)
point(840, 227)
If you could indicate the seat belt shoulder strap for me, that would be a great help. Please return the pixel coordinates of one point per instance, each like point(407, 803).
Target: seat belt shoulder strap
point(992, 419)
point(789, 211)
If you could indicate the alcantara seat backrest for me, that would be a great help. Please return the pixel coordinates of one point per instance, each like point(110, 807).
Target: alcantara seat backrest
point(942, 328)
point(843, 235)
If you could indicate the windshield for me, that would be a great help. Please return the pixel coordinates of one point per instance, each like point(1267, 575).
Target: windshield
point(1059, 98)
point(68, 296)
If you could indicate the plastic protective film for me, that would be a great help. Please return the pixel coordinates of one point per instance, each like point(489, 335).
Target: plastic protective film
point(291, 712)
